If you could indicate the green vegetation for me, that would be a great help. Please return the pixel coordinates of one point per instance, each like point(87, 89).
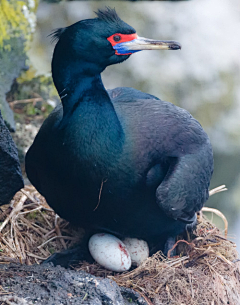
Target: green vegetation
point(17, 19)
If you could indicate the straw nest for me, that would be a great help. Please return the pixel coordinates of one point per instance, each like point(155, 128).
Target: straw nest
point(206, 270)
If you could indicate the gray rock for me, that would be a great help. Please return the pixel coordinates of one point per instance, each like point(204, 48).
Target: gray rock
point(13, 300)
point(10, 173)
point(17, 26)
point(11, 63)
point(48, 285)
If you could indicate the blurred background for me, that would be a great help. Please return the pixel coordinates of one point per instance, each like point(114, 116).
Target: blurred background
point(204, 77)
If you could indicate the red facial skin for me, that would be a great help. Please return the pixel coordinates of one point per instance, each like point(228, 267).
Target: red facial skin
point(124, 38)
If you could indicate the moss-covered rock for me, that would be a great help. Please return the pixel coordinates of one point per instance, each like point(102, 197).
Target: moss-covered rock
point(17, 23)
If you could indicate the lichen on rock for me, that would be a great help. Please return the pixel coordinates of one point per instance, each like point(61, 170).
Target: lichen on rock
point(17, 23)
point(17, 19)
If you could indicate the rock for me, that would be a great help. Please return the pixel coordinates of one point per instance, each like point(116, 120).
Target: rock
point(17, 23)
point(12, 62)
point(11, 179)
point(45, 284)
point(13, 300)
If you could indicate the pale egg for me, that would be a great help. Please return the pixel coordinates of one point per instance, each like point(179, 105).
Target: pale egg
point(110, 252)
point(138, 249)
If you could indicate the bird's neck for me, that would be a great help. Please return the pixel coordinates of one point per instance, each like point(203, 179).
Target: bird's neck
point(89, 115)
point(78, 82)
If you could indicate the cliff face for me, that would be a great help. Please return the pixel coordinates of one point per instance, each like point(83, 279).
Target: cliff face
point(17, 23)
point(10, 173)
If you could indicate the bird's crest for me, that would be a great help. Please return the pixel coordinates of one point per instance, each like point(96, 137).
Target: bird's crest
point(56, 34)
point(108, 15)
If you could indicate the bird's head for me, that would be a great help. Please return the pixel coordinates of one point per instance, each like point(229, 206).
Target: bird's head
point(103, 41)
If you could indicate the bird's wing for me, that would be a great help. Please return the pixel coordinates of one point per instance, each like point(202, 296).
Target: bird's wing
point(184, 189)
point(163, 131)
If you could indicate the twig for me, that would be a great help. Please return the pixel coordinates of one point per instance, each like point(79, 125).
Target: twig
point(30, 211)
point(86, 294)
point(220, 214)
point(190, 281)
point(7, 259)
point(39, 208)
point(175, 245)
point(55, 237)
point(30, 197)
point(145, 298)
point(58, 231)
point(36, 256)
point(4, 213)
point(8, 245)
point(218, 189)
point(49, 233)
point(17, 246)
point(15, 209)
point(177, 261)
point(27, 223)
point(99, 196)
point(220, 256)
point(30, 100)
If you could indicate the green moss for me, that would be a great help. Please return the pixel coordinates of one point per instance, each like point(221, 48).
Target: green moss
point(31, 110)
point(32, 94)
point(27, 76)
point(17, 19)
point(32, 215)
point(40, 84)
point(51, 250)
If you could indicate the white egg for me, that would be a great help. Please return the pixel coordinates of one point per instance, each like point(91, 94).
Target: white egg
point(110, 252)
point(138, 249)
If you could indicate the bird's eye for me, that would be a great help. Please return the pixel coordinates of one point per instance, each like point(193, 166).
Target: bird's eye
point(117, 38)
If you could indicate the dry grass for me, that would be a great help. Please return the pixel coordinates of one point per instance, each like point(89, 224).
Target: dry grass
point(206, 271)
point(30, 231)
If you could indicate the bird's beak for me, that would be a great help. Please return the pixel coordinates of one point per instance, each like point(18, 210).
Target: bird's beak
point(141, 43)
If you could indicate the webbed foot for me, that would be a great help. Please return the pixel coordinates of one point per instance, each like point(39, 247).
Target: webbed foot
point(169, 245)
point(69, 257)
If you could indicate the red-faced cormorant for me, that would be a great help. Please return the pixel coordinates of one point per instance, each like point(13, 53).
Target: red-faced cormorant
point(118, 161)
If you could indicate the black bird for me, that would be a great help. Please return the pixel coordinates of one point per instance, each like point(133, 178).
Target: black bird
point(119, 161)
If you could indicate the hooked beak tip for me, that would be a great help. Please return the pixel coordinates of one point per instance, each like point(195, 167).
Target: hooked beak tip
point(175, 46)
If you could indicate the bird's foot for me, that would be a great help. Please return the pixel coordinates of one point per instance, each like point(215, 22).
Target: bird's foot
point(69, 257)
point(191, 226)
point(169, 245)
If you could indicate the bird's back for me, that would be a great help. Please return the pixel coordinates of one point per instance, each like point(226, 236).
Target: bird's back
point(162, 127)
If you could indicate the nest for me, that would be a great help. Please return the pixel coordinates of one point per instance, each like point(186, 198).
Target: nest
point(206, 270)
point(30, 231)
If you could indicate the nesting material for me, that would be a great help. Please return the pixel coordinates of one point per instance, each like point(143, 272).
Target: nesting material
point(206, 270)
point(30, 231)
